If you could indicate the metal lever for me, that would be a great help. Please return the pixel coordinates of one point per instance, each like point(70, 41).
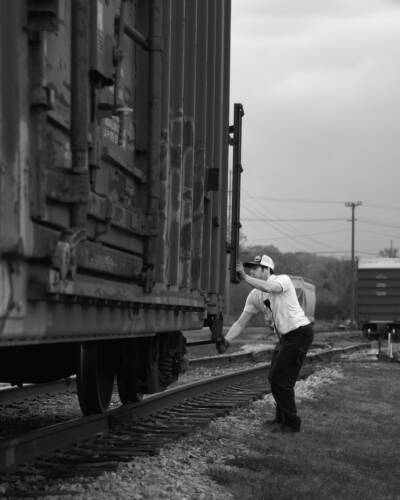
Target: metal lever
point(236, 141)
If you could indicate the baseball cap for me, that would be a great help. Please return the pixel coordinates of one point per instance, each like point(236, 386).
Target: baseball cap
point(260, 260)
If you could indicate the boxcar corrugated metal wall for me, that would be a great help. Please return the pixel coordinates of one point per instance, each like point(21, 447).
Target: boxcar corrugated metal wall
point(114, 122)
point(13, 129)
point(192, 244)
point(378, 294)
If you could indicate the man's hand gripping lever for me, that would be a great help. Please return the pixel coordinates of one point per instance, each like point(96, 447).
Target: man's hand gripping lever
point(222, 345)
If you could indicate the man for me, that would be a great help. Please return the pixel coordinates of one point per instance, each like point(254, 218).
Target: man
point(275, 296)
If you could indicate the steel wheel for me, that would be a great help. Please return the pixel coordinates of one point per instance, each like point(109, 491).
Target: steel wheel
point(128, 389)
point(95, 377)
point(129, 384)
point(154, 376)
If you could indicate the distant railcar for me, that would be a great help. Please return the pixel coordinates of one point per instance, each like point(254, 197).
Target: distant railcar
point(306, 294)
point(378, 296)
point(114, 132)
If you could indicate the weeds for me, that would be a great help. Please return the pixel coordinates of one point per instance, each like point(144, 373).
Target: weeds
point(348, 447)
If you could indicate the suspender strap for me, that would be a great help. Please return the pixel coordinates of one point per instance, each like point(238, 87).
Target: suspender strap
point(267, 304)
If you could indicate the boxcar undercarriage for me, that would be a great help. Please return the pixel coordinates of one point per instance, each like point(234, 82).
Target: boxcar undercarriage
point(140, 366)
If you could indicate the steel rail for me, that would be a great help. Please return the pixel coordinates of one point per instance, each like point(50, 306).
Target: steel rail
point(14, 394)
point(240, 356)
point(42, 442)
point(10, 395)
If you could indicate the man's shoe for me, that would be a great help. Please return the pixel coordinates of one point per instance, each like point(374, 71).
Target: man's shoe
point(286, 428)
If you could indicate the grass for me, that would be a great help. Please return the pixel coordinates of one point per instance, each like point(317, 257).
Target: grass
point(349, 447)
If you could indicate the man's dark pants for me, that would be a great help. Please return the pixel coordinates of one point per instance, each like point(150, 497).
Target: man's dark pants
point(287, 360)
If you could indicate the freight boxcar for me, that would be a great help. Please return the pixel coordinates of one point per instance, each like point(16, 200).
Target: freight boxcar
point(378, 296)
point(306, 294)
point(114, 136)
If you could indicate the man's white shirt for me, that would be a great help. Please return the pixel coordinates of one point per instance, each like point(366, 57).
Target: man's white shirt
point(286, 310)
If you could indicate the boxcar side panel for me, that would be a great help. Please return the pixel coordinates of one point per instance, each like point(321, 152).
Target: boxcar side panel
point(113, 167)
point(378, 297)
point(14, 145)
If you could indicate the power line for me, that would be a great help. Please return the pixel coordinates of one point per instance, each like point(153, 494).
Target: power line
point(324, 202)
point(274, 227)
point(294, 229)
point(333, 252)
point(282, 225)
point(277, 228)
point(374, 232)
point(297, 200)
point(383, 207)
point(372, 222)
point(320, 233)
point(346, 252)
point(263, 219)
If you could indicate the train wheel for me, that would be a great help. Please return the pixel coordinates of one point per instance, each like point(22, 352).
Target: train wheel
point(128, 389)
point(127, 378)
point(162, 360)
point(153, 374)
point(95, 377)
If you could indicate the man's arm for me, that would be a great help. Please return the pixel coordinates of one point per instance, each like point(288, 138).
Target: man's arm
point(269, 286)
point(238, 326)
point(264, 286)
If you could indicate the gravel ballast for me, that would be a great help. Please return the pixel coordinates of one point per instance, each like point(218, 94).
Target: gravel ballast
point(182, 469)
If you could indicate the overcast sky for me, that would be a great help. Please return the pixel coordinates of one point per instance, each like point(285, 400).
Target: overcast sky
point(320, 84)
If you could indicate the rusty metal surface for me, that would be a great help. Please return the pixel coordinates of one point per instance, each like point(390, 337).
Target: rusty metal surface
point(207, 256)
point(176, 124)
point(163, 233)
point(79, 107)
point(108, 146)
point(200, 145)
point(188, 142)
point(217, 209)
point(12, 127)
point(97, 319)
point(225, 107)
point(154, 139)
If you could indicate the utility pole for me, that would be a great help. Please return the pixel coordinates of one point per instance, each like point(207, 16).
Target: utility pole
point(353, 205)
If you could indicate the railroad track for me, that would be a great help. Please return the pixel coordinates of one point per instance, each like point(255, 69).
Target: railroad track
point(241, 356)
point(98, 443)
point(9, 395)
point(104, 441)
